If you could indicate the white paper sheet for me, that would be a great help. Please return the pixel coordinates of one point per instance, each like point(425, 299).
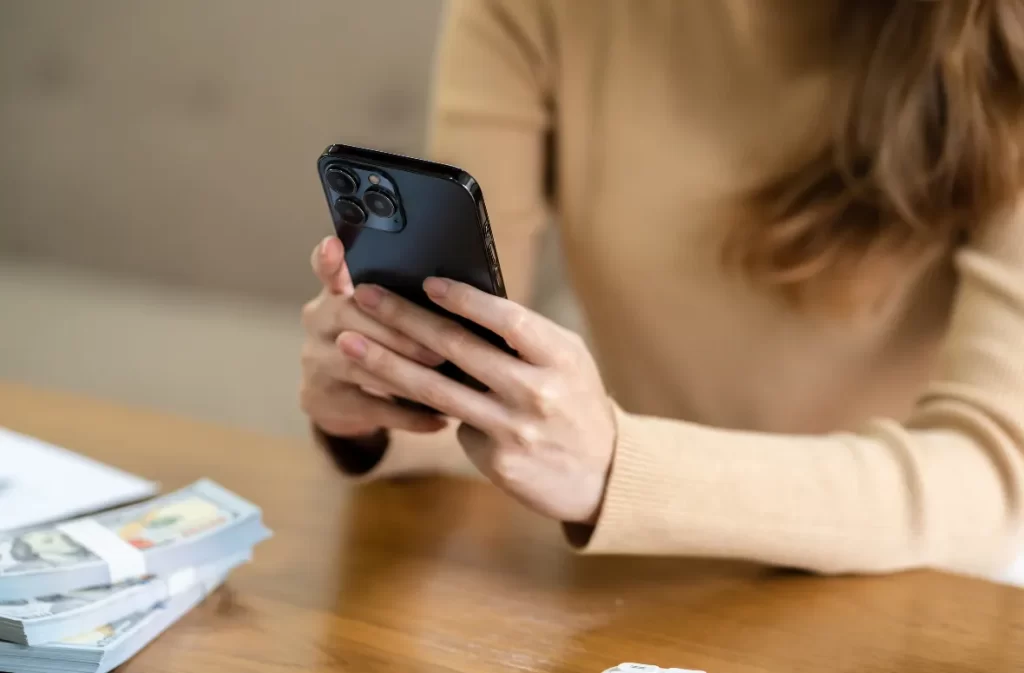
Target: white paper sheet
point(40, 482)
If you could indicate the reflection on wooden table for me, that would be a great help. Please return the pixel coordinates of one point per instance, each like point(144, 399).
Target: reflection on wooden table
point(446, 575)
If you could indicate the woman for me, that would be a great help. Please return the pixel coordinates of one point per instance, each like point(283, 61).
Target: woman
point(796, 231)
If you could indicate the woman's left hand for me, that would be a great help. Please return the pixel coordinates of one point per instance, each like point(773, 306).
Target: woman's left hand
point(545, 432)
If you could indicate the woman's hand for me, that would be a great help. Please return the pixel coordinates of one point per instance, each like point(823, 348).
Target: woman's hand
point(546, 431)
point(339, 400)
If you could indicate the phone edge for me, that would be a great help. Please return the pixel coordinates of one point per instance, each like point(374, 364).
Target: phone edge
point(454, 173)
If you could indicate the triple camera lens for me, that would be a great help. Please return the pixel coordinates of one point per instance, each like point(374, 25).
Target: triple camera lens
point(354, 211)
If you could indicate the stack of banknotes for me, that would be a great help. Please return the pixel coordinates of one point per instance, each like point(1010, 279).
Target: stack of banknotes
point(87, 594)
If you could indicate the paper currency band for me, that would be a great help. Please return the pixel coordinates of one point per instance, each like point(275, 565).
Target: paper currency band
point(123, 560)
point(182, 580)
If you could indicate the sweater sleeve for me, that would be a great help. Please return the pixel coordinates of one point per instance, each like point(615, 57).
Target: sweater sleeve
point(491, 116)
point(945, 489)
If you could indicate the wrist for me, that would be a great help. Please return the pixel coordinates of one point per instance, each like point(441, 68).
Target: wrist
point(358, 454)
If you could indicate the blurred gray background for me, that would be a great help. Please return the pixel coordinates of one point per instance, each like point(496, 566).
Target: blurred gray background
point(158, 194)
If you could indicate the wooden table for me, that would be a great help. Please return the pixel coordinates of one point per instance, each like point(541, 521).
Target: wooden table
point(445, 575)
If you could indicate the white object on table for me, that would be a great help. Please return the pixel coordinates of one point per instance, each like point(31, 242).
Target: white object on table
point(41, 483)
point(647, 668)
point(1014, 575)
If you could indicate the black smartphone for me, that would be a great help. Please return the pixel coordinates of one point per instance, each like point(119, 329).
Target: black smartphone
point(403, 220)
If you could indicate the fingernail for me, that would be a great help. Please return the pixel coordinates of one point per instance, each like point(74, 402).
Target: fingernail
point(323, 248)
point(436, 287)
point(353, 345)
point(369, 296)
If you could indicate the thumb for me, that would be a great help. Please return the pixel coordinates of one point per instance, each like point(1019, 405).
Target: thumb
point(329, 265)
point(479, 449)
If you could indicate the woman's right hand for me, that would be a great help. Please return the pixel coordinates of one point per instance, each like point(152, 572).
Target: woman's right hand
point(340, 399)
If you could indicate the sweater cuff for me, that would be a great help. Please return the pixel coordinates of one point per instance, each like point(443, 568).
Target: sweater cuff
point(635, 483)
point(680, 489)
point(354, 456)
point(676, 489)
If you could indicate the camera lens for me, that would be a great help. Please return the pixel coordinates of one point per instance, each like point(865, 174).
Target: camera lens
point(342, 181)
point(351, 212)
point(380, 204)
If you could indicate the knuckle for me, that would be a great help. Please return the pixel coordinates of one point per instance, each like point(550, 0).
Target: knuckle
point(524, 435)
point(570, 354)
point(565, 358)
point(516, 322)
point(543, 397)
point(437, 397)
point(453, 338)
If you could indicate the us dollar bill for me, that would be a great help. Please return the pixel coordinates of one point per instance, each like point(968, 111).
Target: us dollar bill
point(44, 619)
point(102, 647)
point(193, 526)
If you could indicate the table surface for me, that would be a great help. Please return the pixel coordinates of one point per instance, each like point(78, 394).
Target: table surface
point(447, 575)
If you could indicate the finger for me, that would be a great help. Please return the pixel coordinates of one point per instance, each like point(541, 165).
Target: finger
point(535, 338)
point(326, 366)
point(371, 384)
point(416, 382)
point(321, 267)
point(348, 410)
point(394, 340)
point(329, 265)
point(496, 369)
point(332, 314)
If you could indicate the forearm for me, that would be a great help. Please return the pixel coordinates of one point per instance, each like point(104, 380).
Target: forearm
point(886, 499)
point(944, 489)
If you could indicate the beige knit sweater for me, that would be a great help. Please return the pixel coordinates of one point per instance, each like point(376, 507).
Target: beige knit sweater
point(745, 429)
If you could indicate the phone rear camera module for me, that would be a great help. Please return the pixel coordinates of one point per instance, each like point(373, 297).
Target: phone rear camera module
point(350, 212)
point(380, 203)
point(342, 181)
